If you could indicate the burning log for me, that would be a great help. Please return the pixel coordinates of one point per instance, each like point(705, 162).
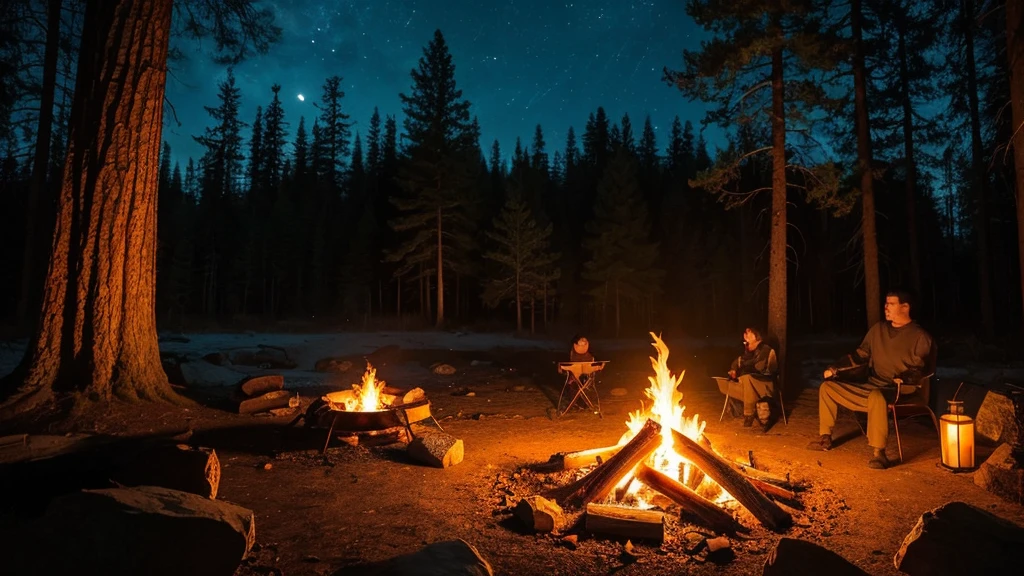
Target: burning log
point(631, 523)
point(598, 483)
point(573, 460)
point(706, 511)
point(721, 470)
point(766, 477)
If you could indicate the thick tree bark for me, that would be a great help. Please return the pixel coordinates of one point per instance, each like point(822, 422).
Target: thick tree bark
point(979, 177)
point(1015, 52)
point(872, 286)
point(908, 153)
point(777, 280)
point(97, 326)
point(40, 162)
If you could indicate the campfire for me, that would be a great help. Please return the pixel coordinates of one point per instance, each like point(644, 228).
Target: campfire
point(664, 458)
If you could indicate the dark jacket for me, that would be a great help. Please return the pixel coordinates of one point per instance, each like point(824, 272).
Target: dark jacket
point(756, 361)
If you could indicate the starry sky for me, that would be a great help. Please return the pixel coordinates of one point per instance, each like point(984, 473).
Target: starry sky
point(519, 62)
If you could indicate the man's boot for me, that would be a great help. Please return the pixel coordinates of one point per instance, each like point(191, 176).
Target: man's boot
point(879, 461)
point(822, 444)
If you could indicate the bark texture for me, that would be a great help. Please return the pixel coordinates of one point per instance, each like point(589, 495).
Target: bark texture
point(1015, 52)
point(777, 280)
point(96, 330)
point(869, 234)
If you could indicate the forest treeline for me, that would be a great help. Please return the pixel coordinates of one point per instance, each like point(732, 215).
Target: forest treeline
point(897, 105)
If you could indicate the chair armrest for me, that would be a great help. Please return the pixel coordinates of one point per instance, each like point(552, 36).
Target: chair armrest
point(917, 387)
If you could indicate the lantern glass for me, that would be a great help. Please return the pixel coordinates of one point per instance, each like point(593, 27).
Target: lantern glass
point(957, 433)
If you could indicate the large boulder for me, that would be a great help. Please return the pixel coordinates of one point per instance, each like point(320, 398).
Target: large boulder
point(957, 538)
point(131, 531)
point(996, 421)
point(793, 557)
point(1002, 475)
point(448, 558)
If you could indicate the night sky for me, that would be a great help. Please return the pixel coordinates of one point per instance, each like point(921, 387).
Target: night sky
point(519, 62)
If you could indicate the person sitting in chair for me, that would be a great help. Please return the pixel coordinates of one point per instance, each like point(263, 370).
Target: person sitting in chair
point(895, 352)
point(751, 375)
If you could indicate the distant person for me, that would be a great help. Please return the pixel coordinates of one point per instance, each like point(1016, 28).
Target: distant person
point(580, 351)
point(896, 352)
point(751, 375)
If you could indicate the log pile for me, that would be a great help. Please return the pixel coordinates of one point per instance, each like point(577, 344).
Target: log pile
point(266, 394)
point(757, 491)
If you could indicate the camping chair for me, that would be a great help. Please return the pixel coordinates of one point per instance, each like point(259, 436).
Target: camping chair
point(581, 382)
point(916, 403)
point(732, 391)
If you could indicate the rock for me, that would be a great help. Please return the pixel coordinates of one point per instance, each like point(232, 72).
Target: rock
point(449, 558)
point(793, 557)
point(259, 385)
point(129, 531)
point(333, 365)
point(263, 356)
point(203, 374)
point(1002, 475)
point(217, 358)
point(957, 538)
point(444, 369)
point(719, 543)
point(618, 392)
point(996, 421)
point(539, 514)
point(439, 449)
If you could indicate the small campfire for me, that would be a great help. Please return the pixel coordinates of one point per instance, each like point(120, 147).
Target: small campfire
point(370, 409)
point(663, 459)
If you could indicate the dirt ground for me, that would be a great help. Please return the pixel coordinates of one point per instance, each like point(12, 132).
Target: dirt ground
point(330, 515)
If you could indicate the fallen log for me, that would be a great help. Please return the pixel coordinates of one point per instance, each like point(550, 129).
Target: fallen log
point(709, 515)
point(573, 460)
point(777, 493)
point(268, 401)
point(631, 523)
point(781, 481)
point(734, 482)
point(260, 385)
point(599, 482)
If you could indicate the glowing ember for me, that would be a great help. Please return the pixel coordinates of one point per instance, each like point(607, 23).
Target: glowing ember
point(666, 409)
point(367, 396)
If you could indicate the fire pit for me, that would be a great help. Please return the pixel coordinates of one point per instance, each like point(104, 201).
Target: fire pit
point(369, 407)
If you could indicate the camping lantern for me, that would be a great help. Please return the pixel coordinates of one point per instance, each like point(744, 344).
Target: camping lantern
point(956, 431)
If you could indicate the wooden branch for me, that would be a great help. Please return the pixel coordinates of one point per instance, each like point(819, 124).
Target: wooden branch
point(767, 477)
point(721, 470)
point(268, 401)
point(709, 514)
point(573, 460)
point(598, 483)
point(630, 523)
point(777, 493)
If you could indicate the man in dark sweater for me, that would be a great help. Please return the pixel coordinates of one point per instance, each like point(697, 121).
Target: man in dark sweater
point(895, 353)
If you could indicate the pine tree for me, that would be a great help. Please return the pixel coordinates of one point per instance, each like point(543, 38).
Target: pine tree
point(522, 252)
point(440, 154)
point(622, 256)
point(274, 135)
point(256, 152)
point(335, 131)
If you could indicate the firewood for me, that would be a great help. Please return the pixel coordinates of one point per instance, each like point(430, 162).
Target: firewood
point(734, 482)
point(629, 523)
point(573, 460)
point(270, 400)
point(709, 514)
point(599, 482)
point(768, 477)
point(788, 497)
point(260, 385)
point(438, 449)
point(539, 514)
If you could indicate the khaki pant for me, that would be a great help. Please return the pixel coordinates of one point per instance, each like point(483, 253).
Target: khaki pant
point(859, 397)
point(749, 388)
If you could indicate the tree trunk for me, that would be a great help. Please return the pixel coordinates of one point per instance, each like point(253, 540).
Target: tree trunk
point(519, 305)
point(979, 177)
point(440, 275)
point(777, 297)
point(1015, 52)
point(872, 286)
point(40, 162)
point(97, 325)
point(908, 153)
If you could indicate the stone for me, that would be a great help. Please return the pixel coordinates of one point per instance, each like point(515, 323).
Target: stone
point(1002, 475)
point(794, 557)
point(996, 422)
point(618, 392)
point(448, 558)
point(438, 449)
point(957, 538)
point(444, 369)
point(129, 531)
point(539, 514)
point(333, 365)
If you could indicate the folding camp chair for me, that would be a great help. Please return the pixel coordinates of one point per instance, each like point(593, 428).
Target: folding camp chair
point(581, 383)
point(731, 388)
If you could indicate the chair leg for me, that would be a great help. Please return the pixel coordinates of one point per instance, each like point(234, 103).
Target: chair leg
point(724, 406)
point(782, 408)
point(896, 426)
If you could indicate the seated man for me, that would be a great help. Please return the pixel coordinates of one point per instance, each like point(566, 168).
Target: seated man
point(895, 352)
point(752, 375)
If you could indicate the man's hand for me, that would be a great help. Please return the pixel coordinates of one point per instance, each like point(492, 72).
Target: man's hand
point(829, 372)
point(732, 374)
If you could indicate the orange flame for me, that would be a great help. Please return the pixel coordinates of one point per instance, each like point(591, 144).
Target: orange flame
point(666, 409)
point(367, 396)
